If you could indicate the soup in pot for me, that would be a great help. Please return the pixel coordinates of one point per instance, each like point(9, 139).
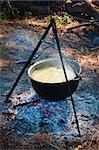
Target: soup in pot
point(53, 75)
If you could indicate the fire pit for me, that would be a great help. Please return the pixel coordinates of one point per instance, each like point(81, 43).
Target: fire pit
point(56, 89)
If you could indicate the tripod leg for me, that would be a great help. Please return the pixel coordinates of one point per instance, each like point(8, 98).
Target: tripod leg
point(60, 54)
point(28, 62)
point(75, 116)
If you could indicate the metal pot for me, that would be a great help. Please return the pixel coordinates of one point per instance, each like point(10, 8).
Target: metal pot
point(54, 91)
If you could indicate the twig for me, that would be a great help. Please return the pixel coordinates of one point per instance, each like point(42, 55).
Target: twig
point(84, 24)
point(23, 104)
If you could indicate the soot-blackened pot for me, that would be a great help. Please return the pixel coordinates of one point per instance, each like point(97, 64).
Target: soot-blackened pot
point(55, 91)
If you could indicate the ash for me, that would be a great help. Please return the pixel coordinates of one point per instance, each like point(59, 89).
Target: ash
point(39, 115)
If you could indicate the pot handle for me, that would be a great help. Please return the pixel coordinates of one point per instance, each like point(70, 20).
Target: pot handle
point(77, 78)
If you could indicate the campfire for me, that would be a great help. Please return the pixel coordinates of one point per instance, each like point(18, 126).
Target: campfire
point(33, 114)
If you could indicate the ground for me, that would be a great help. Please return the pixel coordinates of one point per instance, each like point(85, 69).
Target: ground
point(17, 39)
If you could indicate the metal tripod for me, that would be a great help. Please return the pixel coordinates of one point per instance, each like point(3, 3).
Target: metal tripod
point(52, 25)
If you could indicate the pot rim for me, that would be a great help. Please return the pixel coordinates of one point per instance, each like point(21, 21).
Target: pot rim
point(51, 59)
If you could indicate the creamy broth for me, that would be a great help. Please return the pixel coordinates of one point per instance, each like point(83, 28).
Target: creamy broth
point(53, 75)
